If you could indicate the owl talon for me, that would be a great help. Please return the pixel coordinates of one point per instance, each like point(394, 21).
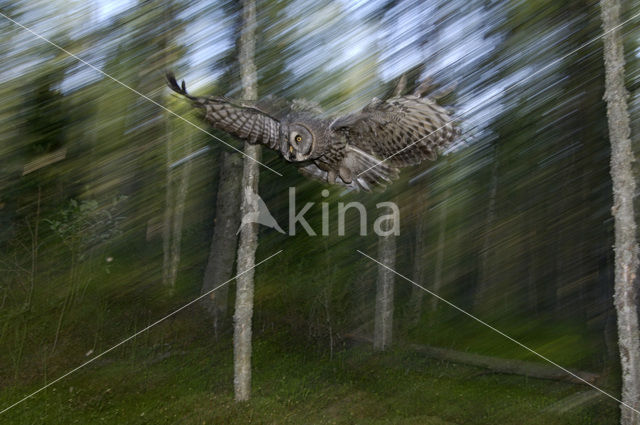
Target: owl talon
point(345, 175)
point(331, 177)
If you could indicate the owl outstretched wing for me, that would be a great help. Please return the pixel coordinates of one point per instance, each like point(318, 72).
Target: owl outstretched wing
point(402, 130)
point(245, 122)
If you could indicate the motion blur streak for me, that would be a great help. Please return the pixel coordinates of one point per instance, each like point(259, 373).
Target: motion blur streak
point(100, 234)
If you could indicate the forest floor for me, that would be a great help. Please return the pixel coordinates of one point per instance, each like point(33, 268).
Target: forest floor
point(192, 383)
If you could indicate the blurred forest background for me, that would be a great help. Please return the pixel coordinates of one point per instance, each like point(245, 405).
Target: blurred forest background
point(100, 237)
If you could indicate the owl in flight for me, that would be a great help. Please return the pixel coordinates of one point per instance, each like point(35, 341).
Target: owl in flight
point(360, 150)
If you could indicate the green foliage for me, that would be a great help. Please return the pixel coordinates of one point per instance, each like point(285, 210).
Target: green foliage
point(83, 224)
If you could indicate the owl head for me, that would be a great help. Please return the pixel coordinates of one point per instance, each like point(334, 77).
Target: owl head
point(299, 143)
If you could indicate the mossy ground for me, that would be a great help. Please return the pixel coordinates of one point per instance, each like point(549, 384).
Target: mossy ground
point(179, 373)
point(190, 381)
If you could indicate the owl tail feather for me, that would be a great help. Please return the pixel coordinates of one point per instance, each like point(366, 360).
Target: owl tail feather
point(182, 89)
point(173, 85)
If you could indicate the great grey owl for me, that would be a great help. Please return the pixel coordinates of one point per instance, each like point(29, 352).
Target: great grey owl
point(360, 150)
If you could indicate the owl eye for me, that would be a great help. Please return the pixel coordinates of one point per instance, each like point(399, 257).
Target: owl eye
point(298, 138)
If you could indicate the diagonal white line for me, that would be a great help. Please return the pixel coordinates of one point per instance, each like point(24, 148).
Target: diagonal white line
point(136, 334)
point(482, 322)
point(528, 77)
point(136, 92)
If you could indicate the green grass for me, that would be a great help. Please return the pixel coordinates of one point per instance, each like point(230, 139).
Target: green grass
point(191, 383)
point(176, 373)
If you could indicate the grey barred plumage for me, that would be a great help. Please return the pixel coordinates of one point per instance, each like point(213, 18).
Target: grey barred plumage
point(361, 150)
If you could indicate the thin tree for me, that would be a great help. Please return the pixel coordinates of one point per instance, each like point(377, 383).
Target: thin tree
point(225, 240)
point(383, 315)
point(441, 247)
point(419, 256)
point(624, 188)
point(176, 180)
point(383, 323)
point(167, 219)
point(249, 232)
point(176, 195)
point(484, 293)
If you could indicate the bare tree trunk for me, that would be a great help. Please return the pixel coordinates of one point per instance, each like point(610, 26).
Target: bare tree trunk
point(178, 214)
point(417, 294)
point(624, 187)
point(248, 232)
point(502, 365)
point(437, 279)
point(383, 324)
point(166, 224)
point(174, 211)
point(225, 239)
point(484, 281)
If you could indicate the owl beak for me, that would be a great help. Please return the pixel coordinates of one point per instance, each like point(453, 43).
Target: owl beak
point(290, 149)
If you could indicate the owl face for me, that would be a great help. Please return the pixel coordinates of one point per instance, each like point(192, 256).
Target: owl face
point(299, 144)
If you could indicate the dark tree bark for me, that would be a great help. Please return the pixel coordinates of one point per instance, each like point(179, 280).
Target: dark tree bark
point(248, 232)
point(225, 240)
point(624, 187)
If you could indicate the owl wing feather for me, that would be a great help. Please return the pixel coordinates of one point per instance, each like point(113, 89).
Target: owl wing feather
point(245, 122)
point(404, 130)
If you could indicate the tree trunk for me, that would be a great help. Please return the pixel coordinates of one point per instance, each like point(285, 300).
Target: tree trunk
point(482, 301)
point(417, 294)
point(166, 224)
point(383, 324)
point(510, 366)
point(225, 240)
point(174, 212)
point(624, 186)
point(178, 214)
point(437, 278)
point(248, 232)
